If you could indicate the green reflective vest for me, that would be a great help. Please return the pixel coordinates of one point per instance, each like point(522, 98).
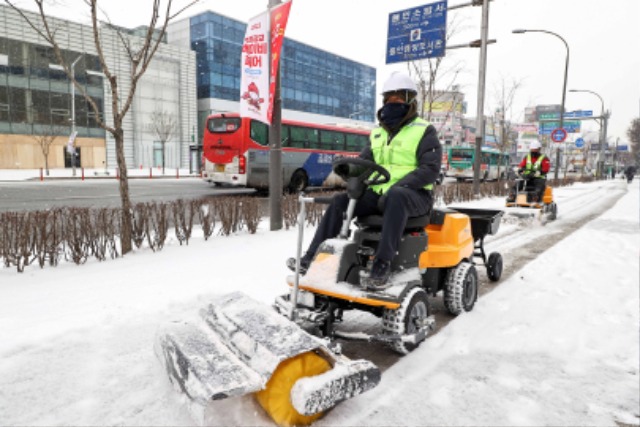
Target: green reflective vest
point(399, 156)
point(533, 167)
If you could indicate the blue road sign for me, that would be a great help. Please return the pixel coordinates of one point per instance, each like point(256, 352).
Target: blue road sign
point(558, 135)
point(578, 113)
point(579, 142)
point(417, 33)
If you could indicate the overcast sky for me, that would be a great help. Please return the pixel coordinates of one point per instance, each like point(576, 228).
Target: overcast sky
point(603, 37)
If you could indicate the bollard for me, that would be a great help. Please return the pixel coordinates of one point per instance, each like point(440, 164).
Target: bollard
point(82, 174)
point(117, 174)
point(150, 173)
point(177, 173)
point(41, 175)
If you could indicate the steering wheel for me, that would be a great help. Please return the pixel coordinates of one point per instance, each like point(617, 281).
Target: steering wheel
point(368, 172)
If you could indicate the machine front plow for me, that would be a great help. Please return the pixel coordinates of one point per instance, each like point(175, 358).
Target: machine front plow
point(239, 346)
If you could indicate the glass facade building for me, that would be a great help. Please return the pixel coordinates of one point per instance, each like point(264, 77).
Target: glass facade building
point(37, 110)
point(312, 80)
point(35, 94)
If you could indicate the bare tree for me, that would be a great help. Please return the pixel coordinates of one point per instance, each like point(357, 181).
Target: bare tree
point(140, 52)
point(633, 133)
point(504, 94)
point(45, 139)
point(437, 72)
point(163, 124)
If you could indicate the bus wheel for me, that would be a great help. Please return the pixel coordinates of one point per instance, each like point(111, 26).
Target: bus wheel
point(298, 182)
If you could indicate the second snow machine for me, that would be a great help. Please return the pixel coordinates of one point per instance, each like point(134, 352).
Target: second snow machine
point(527, 197)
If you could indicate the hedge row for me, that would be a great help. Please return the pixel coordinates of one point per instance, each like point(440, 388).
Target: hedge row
point(77, 234)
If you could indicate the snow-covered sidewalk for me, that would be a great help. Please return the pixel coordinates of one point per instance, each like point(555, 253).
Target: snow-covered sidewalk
point(556, 345)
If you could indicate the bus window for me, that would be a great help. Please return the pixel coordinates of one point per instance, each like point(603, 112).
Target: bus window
point(285, 138)
point(223, 124)
point(331, 140)
point(356, 142)
point(259, 132)
point(302, 137)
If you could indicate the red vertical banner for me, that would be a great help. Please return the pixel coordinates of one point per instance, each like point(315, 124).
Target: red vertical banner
point(254, 82)
point(279, 18)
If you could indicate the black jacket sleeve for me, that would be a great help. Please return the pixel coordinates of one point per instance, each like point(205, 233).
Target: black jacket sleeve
point(429, 155)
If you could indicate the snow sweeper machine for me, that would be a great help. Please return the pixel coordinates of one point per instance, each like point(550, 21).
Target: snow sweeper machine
point(288, 354)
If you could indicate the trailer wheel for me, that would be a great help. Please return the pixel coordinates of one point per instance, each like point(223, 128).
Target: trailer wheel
point(298, 182)
point(461, 288)
point(275, 398)
point(494, 266)
point(407, 319)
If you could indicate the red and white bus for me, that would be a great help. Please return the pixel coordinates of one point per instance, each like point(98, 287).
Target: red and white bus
point(235, 151)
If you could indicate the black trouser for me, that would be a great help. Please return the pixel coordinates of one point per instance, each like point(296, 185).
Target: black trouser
point(400, 204)
point(537, 184)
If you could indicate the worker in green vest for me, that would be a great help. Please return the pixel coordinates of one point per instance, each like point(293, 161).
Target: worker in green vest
point(408, 147)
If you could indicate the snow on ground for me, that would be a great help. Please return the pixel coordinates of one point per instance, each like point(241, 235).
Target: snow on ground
point(557, 343)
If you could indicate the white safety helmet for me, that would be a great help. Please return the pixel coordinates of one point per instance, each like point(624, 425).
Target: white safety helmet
point(399, 81)
point(535, 145)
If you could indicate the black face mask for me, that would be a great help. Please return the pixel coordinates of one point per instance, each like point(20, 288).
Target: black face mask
point(392, 113)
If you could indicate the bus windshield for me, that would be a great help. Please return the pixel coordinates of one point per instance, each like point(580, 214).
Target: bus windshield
point(223, 124)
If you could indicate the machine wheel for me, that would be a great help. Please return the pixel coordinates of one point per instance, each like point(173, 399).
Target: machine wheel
point(553, 214)
point(275, 398)
point(407, 319)
point(494, 266)
point(461, 288)
point(299, 182)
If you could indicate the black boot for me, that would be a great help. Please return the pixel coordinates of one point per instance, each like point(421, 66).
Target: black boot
point(305, 262)
point(378, 279)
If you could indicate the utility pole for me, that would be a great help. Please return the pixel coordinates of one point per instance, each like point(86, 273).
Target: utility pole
point(275, 149)
point(481, 89)
point(564, 86)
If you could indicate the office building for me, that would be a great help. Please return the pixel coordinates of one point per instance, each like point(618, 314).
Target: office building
point(35, 98)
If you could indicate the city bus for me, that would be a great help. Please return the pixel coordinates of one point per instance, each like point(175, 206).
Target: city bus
point(235, 151)
point(493, 164)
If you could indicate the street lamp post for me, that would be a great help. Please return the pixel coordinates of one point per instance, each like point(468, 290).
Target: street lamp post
point(564, 86)
point(603, 128)
point(73, 113)
point(72, 137)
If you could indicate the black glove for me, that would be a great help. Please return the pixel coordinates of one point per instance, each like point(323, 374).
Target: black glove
point(342, 170)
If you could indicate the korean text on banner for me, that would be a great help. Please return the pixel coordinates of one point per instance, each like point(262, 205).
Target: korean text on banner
point(279, 18)
point(254, 82)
